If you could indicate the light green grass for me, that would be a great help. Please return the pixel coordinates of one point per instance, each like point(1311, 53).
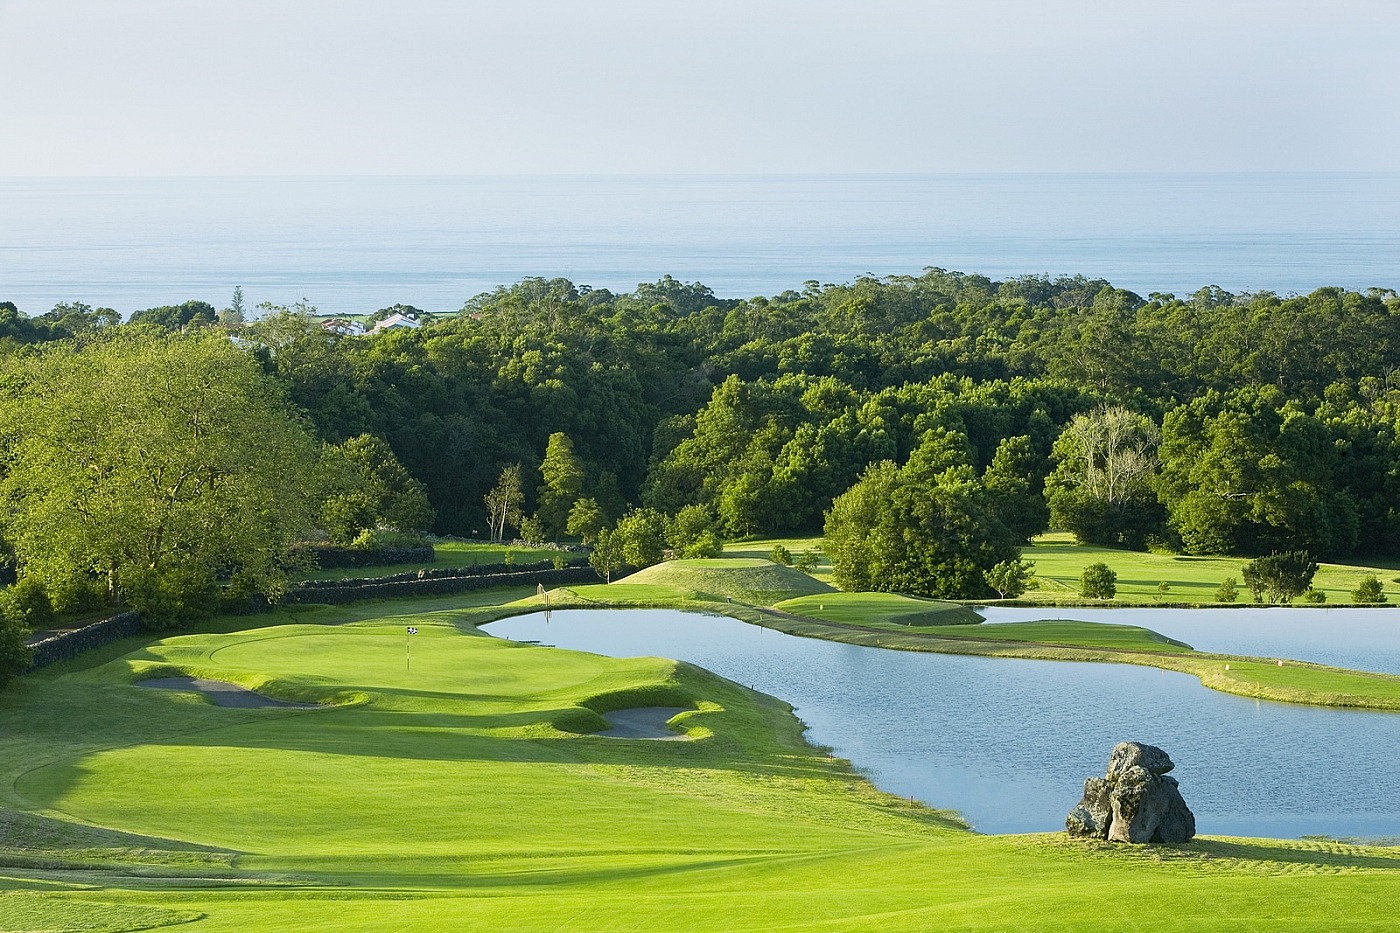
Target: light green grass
point(886, 608)
point(757, 581)
point(446, 554)
point(1059, 561)
point(458, 791)
point(761, 548)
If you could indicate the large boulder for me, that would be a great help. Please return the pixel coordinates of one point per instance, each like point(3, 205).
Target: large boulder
point(1135, 801)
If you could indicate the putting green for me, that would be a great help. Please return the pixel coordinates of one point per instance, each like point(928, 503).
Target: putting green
point(450, 783)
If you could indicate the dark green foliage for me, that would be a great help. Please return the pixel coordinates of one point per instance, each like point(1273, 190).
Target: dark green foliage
point(26, 605)
point(1280, 577)
point(1369, 590)
point(641, 535)
point(562, 474)
point(1314, 595)
point(367, 488)
point(1228, 591)
point(691, 533)
point(925, 529)
point(178, 317)
point(1098, 581)
point(780, 555)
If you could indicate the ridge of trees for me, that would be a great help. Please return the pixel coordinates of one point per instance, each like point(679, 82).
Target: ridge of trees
point(1212, 423)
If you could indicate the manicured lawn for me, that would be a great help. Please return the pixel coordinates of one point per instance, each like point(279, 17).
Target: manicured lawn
point(451, 783)
point(1059, 561)
point(887, 608)
point(753, 580)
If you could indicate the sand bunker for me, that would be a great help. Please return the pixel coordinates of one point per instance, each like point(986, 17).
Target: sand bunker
point(222, 693)
point(644, 722)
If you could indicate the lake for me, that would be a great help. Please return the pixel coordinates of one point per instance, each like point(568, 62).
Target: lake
point(1360, 639)
point(351, 245)
point(1008, 742)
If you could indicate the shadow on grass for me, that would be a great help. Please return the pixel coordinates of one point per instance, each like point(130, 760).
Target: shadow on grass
point(1312, 856)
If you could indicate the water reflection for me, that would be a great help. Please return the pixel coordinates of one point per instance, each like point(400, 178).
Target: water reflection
point(1009, 742)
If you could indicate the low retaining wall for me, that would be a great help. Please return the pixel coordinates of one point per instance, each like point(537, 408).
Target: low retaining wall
point(349, 591)
point(67, 645)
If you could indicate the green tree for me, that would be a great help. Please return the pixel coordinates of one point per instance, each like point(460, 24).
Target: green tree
point(368, 488)
point(642, 534)
point(14, 655)
point(1227, 592)
point(1098, 581)
point(26, 605)
point(691, 533)
point(1101, 486)
point(1009, 577)
point(780, 555)
point(503, 502)
point(1369, 590)
point(160, 464)
point(606, 555)
point(562, 473)
point(925, 528)
point(586, 519)
point(1280, 577)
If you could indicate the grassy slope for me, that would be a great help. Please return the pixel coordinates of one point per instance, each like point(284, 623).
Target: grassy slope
point(757, 581)
point(888, 608)
point(446, 797)
point(1059, 562)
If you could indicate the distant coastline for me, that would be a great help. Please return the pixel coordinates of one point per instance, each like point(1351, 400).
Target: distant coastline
point(354, 244)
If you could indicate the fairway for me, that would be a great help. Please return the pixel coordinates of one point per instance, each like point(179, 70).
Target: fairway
point(449, 780)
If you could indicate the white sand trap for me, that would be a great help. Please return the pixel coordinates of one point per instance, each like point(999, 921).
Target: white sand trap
point(222, 693)
point(644, 722)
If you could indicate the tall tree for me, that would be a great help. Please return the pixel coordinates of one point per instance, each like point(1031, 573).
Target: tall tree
point(503, 502)
point(160, 464)
point(562, 474)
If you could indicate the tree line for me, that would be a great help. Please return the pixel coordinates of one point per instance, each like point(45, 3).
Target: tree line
point(929, 424)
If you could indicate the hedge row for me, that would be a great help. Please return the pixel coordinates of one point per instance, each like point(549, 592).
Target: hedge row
point(67, 645)
point(330, 558)
point(440, 573)
point(346, 591)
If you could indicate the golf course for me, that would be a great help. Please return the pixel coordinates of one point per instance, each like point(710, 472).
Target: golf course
point(451, 780)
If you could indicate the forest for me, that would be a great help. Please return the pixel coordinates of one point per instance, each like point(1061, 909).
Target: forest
point(928, 425)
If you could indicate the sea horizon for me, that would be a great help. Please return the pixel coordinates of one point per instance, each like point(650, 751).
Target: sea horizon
point(354, 243)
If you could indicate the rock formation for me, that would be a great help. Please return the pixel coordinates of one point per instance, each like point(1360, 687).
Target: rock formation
point(1135, 801)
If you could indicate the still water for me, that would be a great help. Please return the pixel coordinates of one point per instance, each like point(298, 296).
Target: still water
point(1008, 742)
point(1360, 639)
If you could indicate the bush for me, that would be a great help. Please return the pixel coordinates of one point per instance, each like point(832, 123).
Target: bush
point(807, 561)
point(1098, 582)
point(780, 555)
point(1228, 591)
point(1009, 578)
point(26, 605)
point(1280, 578)
point(1369, 590)
point(1314, 595)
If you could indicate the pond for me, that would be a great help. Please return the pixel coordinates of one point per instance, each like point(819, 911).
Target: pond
point(1361, 639)
point(1008, 742)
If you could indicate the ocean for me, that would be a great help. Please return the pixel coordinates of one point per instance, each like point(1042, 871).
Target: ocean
point(353, 245)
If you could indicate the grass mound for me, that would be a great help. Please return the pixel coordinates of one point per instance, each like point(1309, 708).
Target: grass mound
point(887, 608)
point(743, 579)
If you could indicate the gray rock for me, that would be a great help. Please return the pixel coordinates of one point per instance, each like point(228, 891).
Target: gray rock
point(1136, 802)
point(1135, 754)
point(1093, 814)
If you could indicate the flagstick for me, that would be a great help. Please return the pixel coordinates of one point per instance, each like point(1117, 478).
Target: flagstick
point(407, 653)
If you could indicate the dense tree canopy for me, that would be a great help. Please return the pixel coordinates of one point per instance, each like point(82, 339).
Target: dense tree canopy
point(1253, 423)
point(158, 466)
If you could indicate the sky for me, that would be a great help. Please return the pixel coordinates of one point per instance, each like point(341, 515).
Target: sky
point(432, 87)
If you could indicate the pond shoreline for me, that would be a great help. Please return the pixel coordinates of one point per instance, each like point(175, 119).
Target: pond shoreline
point(1292, 681)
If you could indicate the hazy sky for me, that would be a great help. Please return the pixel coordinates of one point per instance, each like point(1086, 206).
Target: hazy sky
point(114, 87)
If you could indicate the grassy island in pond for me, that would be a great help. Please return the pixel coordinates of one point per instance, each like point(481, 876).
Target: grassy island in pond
point(461, 788)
